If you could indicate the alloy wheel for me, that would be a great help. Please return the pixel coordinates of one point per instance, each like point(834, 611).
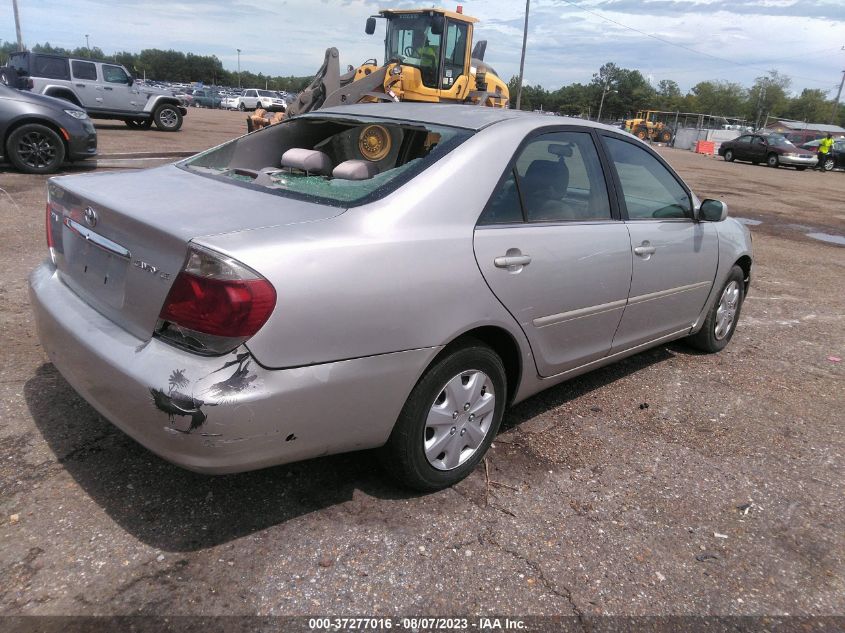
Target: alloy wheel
point(36, 150)
point(726, 312)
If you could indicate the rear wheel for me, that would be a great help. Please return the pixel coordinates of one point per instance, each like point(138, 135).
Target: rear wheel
point(719, 326)
point(168, 118)
point(772, 160)
point(641, 133)
point(729, 155)
point(140, 124)
point(449, 420)
point(35, 149)
point(665, 136)
point(241, 106)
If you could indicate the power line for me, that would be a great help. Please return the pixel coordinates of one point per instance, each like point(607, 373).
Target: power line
point(675, 44)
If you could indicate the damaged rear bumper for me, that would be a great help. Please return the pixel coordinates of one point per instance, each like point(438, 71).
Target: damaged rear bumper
point(219, 414)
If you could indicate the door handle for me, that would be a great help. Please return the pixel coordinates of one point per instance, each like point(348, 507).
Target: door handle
point(512, 260)
point(79, 85)
point(108, 88)
point(645, 249)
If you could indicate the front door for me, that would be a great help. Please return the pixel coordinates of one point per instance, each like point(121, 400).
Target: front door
point(674, 257)
point(759, 150)
point(119, 92)
point(552, 252)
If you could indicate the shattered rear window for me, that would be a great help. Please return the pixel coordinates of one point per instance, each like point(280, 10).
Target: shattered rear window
point(387, 152)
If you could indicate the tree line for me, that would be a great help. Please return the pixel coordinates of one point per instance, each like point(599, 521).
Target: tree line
point(626, 91)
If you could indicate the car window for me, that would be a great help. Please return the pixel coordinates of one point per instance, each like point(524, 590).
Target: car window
point(504, 206)
point(265, 93)
point(84, 70)
point(50, 67)
point(759, 140)
point(560, 179)
point(353, 161)
point(746, 138)
point(114, 74)
point(649, 189)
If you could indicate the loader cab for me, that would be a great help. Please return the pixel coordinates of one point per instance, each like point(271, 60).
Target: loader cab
point(433, 49)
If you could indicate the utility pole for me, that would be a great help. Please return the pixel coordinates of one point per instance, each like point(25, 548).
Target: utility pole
point(87, 46)
point(836, 101)
point(239, 67)
point(522, 59)
point(604, 91)
point(761, 96)
point(17, 24)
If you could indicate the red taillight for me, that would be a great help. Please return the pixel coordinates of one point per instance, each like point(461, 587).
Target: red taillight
point(218, 296)
point(230, 308)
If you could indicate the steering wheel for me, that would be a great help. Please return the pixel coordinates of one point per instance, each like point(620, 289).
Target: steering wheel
point(409, 51)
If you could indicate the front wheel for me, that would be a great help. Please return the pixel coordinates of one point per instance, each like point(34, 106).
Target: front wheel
point(828, 164)
point(168, 118)
point(729, 155)
point(449, 420)
point(720, 324)
point(772, 160)
point(35, 149)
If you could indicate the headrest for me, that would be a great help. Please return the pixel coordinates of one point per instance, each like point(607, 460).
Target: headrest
point(308, 160)
point(355, 170)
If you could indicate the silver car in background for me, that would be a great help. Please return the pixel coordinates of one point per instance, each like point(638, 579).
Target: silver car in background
point(382, 275)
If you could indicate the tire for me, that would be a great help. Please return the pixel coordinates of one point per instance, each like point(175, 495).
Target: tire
point(772, 161)
point(434, 413)
point(828, 165)
point(641, 133)
point(242, 107)
point(665, 136)
point(35, 149)
point(720, 324)
point(729, 156)
point(167, 118)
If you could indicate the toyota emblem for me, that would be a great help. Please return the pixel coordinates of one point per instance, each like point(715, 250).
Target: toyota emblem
point(90, 217)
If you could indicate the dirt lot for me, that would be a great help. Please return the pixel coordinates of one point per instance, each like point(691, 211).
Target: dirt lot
point(670, 483)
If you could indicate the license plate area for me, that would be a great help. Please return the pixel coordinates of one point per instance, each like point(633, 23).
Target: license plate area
point(95, 265)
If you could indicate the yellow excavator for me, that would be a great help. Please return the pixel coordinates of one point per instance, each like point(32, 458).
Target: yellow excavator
point(651, 125)
point(427, 58)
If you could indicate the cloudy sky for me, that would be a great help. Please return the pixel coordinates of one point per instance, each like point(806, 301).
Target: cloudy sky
point(685, 40)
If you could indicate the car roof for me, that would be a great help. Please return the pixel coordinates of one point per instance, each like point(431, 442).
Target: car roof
point(454, 115)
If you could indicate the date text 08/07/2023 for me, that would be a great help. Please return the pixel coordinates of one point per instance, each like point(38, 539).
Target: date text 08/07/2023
point(417, 624)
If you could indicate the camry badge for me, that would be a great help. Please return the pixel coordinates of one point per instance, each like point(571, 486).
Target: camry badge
point(90, 217)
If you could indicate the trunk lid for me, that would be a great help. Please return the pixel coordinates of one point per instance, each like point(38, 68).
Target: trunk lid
point(120, 239)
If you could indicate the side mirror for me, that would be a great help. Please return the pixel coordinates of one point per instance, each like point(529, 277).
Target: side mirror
point(370, 28)
point(713, 211)
point(130, 80)
point(438, 23)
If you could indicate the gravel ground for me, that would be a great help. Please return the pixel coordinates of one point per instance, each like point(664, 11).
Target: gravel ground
point(669, 483)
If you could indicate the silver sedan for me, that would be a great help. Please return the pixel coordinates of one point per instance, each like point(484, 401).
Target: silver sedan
point(388, 276)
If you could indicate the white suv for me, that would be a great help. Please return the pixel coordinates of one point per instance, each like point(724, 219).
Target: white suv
point(253, 98)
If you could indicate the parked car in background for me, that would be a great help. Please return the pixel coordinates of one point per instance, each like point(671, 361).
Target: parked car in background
point(204, 98)
point(38, 133)
point(103, 89)
point(253, 98)
point(836, 159)
point(772, 149)
point(230, 102)
point(396, 275)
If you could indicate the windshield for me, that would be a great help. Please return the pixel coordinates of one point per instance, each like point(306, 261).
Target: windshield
point(410, 39)
point(330, 159)
point(779, 141)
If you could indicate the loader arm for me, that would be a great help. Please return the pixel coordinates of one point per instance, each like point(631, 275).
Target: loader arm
point(325, 82)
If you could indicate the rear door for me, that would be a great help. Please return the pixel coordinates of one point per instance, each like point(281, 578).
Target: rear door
point(85, 83)
point(742, 147)
point(552, 249)
point(674, 257)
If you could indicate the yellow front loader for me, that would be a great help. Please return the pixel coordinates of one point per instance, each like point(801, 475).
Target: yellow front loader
point(427, 58)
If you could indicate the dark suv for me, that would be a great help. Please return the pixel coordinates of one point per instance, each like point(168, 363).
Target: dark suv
point(37, 133)
point(103, 89)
